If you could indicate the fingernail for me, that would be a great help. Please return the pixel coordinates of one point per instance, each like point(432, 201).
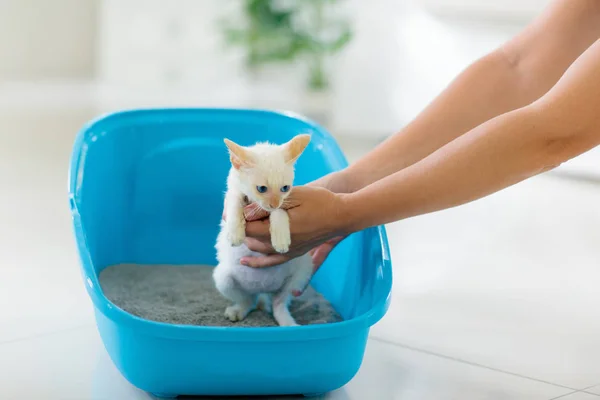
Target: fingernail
point(296, 293)
point(244, 262)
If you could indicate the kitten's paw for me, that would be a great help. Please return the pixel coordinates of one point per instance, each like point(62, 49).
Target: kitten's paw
point(236, 313)
point(236, 235)
point(280, 240)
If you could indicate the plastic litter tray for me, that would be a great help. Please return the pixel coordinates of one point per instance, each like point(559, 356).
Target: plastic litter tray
point(146, 186)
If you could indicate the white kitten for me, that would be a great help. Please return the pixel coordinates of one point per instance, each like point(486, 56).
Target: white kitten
point(261, 174)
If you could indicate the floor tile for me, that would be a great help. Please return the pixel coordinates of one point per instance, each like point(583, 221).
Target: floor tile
point(73, 365)
point(391, 372)
point(70, 365)
point(509, 282)
point(41, 289)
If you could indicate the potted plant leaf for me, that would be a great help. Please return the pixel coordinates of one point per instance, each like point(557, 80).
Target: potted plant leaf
point(304, 34)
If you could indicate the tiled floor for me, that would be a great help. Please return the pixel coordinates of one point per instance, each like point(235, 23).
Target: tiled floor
point(493, 300)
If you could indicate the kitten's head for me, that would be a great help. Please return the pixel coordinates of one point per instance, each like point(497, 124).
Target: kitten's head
point(266, 171)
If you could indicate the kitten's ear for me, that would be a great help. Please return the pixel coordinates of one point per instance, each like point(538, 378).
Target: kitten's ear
point(295, 147)
point(239, 156)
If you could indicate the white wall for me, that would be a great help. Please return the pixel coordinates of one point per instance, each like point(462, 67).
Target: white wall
point(47, 39)
point(401, 58)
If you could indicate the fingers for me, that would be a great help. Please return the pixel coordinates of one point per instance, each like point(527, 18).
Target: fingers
point(296, 197)
point(321, 252)
point(298, 293)
point(335, 241)
point(259, 247)
point(320, 255)
point(265, 261)
point(253, 212)
point(258, 229)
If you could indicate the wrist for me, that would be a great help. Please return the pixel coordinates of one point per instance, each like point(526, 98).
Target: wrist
point(349, 214)
point(354, 178)
point(336, 182)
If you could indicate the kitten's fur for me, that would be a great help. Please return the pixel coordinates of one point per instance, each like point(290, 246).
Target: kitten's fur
point(272, 166)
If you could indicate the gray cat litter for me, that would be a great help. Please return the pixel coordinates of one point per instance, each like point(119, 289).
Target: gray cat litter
point(187, 295)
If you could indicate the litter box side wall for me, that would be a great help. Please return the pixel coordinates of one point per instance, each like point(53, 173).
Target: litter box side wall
point(183, 367)
point(92, 156)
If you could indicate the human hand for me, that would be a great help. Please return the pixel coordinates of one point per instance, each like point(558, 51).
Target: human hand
point(317, 224)
point(318, 254)
point(337, 182)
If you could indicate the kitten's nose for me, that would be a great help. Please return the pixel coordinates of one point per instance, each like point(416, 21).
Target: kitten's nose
point(274, 202)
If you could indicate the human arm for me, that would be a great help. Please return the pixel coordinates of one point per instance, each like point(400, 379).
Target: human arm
point(503, 151)
point(507, 149)
point(513, 76)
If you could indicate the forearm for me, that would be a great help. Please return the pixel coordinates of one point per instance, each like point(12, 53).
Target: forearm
point(336, 182)
point(514, 76)
point(484, 90)
point(503, 151)
point(497, 154)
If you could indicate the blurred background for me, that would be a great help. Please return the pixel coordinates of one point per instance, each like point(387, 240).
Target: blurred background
point(361, 70)
point(494, 298)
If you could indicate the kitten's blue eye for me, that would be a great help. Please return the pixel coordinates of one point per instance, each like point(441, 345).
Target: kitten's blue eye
point(285, 188)
point(261, 189)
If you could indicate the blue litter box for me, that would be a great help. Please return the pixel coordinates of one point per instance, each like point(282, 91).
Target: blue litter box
point(146, 186)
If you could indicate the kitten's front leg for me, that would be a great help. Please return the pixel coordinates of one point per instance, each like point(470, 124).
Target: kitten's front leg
point(280, 231)
point(236, 223)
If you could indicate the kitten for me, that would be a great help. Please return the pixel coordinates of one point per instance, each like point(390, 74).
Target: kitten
point(261, 174)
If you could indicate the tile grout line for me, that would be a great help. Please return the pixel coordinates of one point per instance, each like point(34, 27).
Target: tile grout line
point(41, 335)
point(474, 364)
point(584, 390)
point(577, 391)
point(564, 395)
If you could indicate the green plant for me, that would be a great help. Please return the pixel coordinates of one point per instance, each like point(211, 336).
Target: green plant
point(288, 31)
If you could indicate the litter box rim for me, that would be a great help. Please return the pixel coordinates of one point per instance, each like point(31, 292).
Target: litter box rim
point(99, 127)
